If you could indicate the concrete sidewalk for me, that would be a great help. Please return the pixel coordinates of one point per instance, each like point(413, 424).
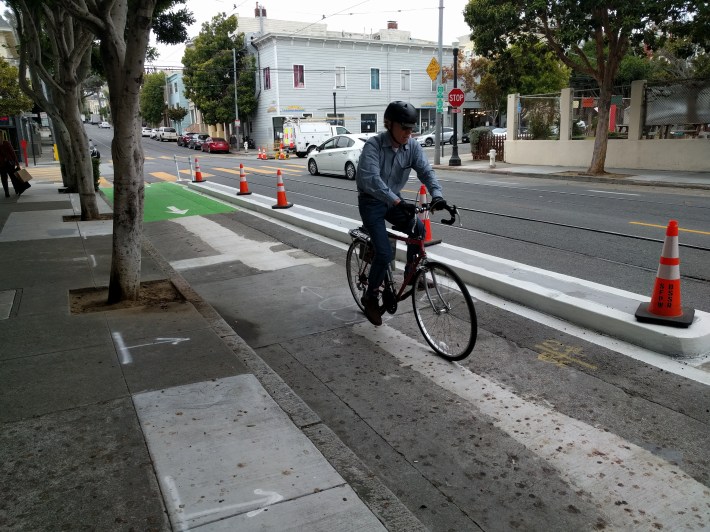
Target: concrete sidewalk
point(160, 416)
point(151, 417)
point(628, 176)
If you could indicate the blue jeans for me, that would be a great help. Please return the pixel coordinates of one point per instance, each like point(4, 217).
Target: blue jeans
point(374, 213)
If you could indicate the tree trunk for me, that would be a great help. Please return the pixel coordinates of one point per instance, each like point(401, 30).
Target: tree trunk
point(78, 162)
point(123, 55)
point(596, 167)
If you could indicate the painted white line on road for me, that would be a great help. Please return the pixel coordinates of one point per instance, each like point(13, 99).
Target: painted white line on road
point(234, 247)
point(609, 192)
point(124, 354)
point(656, 494)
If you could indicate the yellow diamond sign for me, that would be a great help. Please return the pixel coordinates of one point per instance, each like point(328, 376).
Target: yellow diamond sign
point(433, 69)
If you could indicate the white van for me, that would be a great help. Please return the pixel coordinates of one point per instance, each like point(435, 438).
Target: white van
point(303, 136)
point(166, 133)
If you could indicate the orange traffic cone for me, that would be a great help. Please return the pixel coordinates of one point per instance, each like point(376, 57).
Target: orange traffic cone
point(243, 185)
point(665, 306)
point(281, 202)
point(198, 174)
point(424, 217)
point(258, 156)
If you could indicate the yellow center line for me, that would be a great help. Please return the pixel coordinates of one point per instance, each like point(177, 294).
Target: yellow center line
point(679, 229)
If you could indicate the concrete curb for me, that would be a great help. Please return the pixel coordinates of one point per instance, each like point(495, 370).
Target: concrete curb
point(591, 305)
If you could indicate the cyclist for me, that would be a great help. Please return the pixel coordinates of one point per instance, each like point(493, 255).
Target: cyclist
point(383, 170)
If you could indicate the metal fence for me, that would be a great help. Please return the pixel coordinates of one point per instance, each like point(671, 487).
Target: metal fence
point(677, 110)
point(585, 112)
point(539, 116)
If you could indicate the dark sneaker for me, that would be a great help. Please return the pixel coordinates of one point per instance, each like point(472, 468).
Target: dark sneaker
point(372, 309)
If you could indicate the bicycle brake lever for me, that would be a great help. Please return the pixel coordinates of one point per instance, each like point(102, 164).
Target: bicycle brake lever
point(452, 211)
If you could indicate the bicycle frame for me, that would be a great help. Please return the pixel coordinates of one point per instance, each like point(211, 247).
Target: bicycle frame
point(442, 307)
point(405, 289)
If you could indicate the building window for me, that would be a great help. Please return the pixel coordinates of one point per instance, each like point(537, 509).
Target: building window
point(335, 119)
point(339, 77)
point(404, 80)
point(299, 78)
point(368, 123)
point(375, 79)
point(176, 89)
point(267, 78)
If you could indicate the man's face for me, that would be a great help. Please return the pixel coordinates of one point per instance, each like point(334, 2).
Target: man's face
point(400, 133)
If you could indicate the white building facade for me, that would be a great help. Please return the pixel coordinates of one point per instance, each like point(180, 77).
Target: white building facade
point(308, 72)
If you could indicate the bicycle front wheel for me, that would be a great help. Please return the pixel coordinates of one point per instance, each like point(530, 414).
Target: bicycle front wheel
point(357, 264)
point(444, 311)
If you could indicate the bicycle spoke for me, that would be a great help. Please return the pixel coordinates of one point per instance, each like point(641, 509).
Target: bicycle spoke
point(358, 270)
point(444, 311)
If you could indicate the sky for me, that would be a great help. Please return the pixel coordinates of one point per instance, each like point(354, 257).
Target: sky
point(420, 17)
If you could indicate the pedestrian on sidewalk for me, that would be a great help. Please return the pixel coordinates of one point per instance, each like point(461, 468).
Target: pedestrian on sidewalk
point(8, 167)
point(383, 170)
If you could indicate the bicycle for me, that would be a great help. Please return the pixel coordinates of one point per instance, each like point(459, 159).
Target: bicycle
point(442, 306)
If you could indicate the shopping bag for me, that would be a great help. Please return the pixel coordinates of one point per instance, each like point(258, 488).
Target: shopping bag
point(24, 174)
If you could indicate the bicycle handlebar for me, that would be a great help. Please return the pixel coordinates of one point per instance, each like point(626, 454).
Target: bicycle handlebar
point(451, 209)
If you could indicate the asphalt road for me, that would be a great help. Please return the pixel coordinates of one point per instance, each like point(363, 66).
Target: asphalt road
point(538, 429)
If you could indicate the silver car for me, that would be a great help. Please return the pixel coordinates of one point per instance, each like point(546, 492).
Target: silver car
point(337, 155)
point(427, 138)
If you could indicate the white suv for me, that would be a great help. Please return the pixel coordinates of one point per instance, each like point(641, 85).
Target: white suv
point(166, 133)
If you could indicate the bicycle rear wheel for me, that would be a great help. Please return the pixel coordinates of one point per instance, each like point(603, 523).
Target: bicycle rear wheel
point(357, 264)
point(444, 311)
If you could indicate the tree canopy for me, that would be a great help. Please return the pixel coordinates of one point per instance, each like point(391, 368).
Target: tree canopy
point(565, 25)
point(209, 71)
point(12, 100)
point(153, 97)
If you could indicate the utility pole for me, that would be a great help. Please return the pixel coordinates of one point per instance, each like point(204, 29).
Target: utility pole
point(236, 106)
point(439, 117)
point(455, 160)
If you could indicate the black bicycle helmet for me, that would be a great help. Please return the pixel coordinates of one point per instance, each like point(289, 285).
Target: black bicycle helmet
point(401, 112)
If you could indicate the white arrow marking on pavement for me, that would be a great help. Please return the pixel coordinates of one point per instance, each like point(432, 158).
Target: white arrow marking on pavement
point(173, 341)
point(270, 497)
point(123, 353)
point(174, 210)
point(124, 350)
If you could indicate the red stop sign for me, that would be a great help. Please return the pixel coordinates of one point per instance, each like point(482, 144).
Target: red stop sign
point(456, 97)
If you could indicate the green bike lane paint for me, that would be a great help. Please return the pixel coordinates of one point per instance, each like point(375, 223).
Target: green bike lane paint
point(165, 201)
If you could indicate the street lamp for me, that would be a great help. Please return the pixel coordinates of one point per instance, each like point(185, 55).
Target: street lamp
point(236, 105)
point(455, 160)
point(335, 110)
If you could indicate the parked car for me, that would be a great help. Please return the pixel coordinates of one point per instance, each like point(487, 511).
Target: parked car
point(337, 155)
point(197, 140)
point(105, 125)
point(145, 132)
point(153, 133)
point(166, 133)
point(214, 144)
point(427, 138)
point(184, 139)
